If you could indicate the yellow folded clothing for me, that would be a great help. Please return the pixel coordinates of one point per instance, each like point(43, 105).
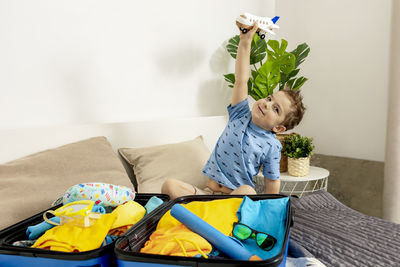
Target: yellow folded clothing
point(128, 214)
point(174, 242)
point(120, 230)
point(72, 238)
point(173, 238)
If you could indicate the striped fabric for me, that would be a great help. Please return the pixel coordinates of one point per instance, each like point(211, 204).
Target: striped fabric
point(340, 236)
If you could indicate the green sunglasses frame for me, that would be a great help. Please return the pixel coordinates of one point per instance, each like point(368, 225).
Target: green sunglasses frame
point(253, 235)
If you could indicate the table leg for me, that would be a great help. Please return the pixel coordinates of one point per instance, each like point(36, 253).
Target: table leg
point(295, 184)
point(326, 184)
point(283, 186)
point(304, 188)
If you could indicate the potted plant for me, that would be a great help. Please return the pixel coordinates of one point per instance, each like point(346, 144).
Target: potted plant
point(279, 68)
point(298, 149)
point(271, 67)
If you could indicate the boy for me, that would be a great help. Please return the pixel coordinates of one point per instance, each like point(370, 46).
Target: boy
point(249, 139)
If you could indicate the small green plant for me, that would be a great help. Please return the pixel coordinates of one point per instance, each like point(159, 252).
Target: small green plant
point(280, 67)
point(297, 146)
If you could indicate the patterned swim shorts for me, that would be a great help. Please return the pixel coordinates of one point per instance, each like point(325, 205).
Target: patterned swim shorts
point(205, 191)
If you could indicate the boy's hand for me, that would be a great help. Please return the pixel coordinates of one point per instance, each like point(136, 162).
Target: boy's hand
point(248, 36)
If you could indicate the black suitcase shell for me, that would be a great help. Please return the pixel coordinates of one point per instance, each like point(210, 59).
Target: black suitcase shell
point(19, 256)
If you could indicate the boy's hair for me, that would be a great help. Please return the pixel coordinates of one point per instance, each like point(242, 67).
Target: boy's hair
point(296, 113)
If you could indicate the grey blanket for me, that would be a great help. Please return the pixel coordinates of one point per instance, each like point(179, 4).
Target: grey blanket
point(340, 236)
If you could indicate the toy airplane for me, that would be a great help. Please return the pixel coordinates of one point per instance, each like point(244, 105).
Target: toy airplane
point(246, 21)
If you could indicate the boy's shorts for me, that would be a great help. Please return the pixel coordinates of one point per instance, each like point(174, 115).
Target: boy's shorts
point(205, 191)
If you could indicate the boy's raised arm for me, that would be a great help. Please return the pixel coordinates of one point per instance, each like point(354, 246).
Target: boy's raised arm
point(242, 66)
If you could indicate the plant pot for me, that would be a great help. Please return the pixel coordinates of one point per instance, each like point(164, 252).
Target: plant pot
point(284, 160)
point(299, 167)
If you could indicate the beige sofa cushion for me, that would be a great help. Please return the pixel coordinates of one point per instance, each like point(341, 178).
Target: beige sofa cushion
point(153, 165)
point(29, 185)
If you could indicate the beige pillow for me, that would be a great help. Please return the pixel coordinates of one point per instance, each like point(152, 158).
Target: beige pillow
point(29, 185)
point(153, 165)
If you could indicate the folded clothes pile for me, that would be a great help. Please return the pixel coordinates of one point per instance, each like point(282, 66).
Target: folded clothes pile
point(114, 215)
point(251, 223)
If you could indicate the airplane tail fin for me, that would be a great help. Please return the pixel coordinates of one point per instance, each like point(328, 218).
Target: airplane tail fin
point(275, 19)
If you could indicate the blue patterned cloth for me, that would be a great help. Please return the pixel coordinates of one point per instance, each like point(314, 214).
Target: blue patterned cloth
point(106, 195)
point(241, 149)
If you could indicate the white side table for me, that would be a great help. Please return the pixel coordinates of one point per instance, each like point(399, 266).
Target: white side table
point(317, 179)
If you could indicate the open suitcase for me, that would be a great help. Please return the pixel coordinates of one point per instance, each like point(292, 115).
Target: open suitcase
point(20, 256)
point(127, 248)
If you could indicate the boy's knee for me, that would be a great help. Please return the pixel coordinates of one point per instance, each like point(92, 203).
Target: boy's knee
point(168, 186)
point(177, 188)
point(244, 190)
point(247, 188)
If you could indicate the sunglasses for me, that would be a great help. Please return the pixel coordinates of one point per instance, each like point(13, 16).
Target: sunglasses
point(243, 232)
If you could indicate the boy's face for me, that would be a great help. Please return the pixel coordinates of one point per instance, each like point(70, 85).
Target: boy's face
point(268, 113)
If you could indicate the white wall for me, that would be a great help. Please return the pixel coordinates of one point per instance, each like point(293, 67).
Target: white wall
point(348, 67)
point(78, 62)
point(391, 186)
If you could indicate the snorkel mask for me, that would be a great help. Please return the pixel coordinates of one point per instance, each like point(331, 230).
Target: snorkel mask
point(77, 212)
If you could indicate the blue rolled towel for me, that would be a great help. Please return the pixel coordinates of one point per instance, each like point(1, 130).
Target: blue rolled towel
point(35, 231)
point(152, 204)
point(109, 239)
point(99, 209)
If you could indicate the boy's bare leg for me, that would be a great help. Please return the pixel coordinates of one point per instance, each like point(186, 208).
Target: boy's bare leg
point(176, 188)
point(244, 190)
point(216, 187)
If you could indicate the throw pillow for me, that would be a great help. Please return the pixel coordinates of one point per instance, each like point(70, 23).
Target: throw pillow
point(153, 165)
point(29, 185)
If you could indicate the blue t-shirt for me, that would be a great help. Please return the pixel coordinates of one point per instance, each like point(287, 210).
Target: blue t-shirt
point(241, 149)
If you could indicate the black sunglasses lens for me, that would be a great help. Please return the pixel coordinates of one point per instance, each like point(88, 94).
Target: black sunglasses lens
point(265, 241)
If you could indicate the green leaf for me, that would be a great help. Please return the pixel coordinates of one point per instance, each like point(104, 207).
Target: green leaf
point(296, 146)
point(257, 51)
point(290, 83)
point(249, 86)
point(283, 46)
point(283, 60)
point(301, 52)
point(254, 74)
point(279, 56)
point(255, 93)
point(232, 45)
point(298, 83)
point(293, 73)
point(277, 49)
point(274, 44)
point(286, 62)
point(230, 78)
point(268, 78)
